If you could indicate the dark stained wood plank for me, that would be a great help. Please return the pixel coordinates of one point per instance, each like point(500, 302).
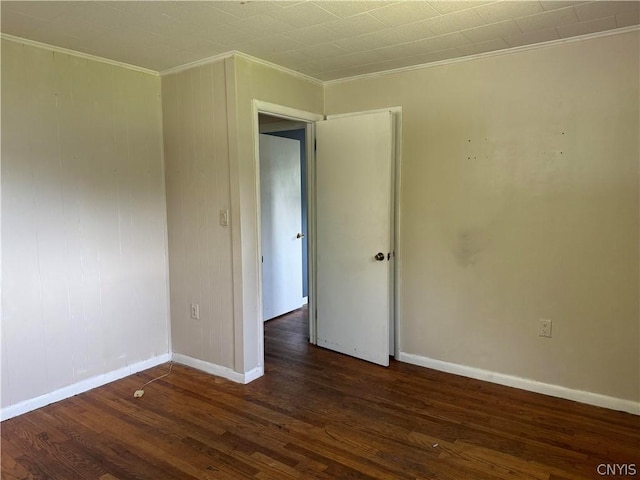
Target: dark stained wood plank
point(315, 414)
point(12, 469)
point(42, 455)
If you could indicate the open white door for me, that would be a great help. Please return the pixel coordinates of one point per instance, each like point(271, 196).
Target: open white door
point(354, 250)
point(281, 225)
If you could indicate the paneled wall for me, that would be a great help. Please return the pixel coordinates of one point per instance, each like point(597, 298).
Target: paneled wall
point(519, 202)
point(197, 178)
point(210, 166)
point(84, 260)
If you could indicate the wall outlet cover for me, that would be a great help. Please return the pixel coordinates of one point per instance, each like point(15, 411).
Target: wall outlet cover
point(544, 329)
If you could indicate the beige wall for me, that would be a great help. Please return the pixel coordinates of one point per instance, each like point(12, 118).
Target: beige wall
point(83, 221)
point(210, 166)
point(197, 178)
point(520, 202)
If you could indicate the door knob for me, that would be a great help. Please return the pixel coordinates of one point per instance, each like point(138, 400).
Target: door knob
point(379, 256)
point(300, 235)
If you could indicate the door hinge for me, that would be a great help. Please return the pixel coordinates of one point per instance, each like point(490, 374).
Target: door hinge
point(262, 259)
point(315, 145)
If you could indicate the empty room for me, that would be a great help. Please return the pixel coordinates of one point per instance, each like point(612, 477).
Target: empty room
point(320, 239)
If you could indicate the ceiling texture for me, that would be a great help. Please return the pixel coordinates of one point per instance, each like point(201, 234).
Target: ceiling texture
point(323, 39)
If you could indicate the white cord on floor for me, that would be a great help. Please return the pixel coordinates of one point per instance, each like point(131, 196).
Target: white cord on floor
point(140, 392)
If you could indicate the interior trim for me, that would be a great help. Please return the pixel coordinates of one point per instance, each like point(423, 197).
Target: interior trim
point(218, 370)
point(324, 83)
point(81, 387)
point(289, 71)
point(197, 63)
point(528, 384)
point(495, 53)
point(74, 53)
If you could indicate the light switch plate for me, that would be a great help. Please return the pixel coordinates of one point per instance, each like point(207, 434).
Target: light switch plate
point(224, 218)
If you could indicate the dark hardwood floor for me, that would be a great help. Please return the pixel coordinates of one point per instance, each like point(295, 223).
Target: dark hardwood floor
point(315, 414)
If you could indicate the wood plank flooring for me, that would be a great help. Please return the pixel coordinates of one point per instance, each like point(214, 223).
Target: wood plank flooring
point(317, 415)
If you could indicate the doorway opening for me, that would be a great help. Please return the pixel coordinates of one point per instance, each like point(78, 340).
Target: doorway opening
point(272, 115)
point(347, 149)
point(283, 215)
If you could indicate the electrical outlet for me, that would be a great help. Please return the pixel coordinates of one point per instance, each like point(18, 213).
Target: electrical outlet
point(544, 329)
point(195, 311)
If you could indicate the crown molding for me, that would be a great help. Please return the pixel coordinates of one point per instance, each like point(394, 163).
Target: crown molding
point(275, 66)
point(245, 56)
point(495, 53)
point(197, 63)
point(74, 53)
point(316, 81)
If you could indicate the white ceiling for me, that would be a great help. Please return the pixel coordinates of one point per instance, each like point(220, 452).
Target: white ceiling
point(323, 39)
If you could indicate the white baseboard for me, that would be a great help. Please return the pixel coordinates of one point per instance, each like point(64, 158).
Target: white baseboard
point(524, 383)
point(254, 374)
point(97, 381)
point(219, 370)
point(305, 300)
point(80, 387)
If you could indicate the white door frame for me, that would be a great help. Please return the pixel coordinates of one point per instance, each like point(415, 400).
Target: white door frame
point(395, 339)
point(308, 119)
